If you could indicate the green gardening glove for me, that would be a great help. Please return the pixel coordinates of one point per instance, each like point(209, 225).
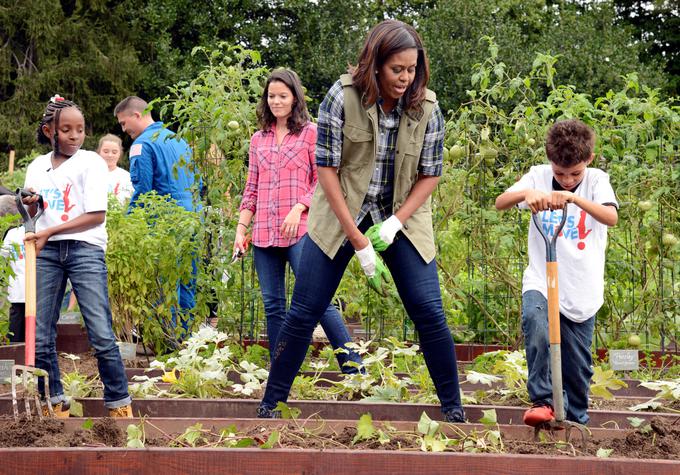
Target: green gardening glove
point(382, 234)
point(381, 277)
point(373, 234)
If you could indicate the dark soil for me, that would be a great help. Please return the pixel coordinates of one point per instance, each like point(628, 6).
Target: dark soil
point(86, 365)
point(659, 440)
point(50, 433)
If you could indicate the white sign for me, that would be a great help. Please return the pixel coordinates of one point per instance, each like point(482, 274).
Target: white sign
point(6, 370)
point(624, 360)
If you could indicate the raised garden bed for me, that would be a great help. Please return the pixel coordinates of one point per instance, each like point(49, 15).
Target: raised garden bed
point(152, 461)
point(71, 338)
point(330, 410)
point(326, 447)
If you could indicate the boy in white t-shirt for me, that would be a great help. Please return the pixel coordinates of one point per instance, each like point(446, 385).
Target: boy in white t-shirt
point(580, 252)
point(13, 249)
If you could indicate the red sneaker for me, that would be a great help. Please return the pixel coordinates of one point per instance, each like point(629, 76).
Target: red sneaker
point(538, 414)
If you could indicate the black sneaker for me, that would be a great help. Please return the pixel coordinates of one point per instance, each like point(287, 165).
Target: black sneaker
point(264, 413)
point(455, 416)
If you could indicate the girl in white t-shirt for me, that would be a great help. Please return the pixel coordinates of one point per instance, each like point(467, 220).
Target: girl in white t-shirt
point(110, 148)
point(70, 241)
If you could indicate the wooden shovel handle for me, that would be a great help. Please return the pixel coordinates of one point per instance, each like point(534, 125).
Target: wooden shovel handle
point(553, 303)
point(29, 254)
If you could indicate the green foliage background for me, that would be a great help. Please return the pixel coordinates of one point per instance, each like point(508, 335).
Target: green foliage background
point(98, 51)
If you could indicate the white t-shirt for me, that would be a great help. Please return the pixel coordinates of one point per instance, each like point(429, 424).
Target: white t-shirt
point(120, 184)
point(14, 240)
point(580, 252)
point(76, 187)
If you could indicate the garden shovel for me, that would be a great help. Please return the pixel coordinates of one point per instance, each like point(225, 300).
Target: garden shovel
point(28, 373)
point(559, 422)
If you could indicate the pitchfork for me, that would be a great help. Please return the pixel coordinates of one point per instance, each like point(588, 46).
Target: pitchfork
point(559, 422)
point(28, 372)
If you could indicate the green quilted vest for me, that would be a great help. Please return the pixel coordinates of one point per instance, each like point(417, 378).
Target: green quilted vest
point(356, 170)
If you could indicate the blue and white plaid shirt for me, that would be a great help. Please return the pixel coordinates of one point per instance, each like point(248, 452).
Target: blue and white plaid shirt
point(378, 201)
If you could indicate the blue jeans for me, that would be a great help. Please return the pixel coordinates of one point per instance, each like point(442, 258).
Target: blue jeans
point(418, 285)
point(577, 359)
point(186, 297)
point(84, 265)
point(270, 263)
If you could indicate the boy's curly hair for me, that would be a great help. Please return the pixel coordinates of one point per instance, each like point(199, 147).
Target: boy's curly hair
point(569, 142)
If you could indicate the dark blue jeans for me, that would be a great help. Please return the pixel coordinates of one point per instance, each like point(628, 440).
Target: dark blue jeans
point(84, 265)
point(418, 285)
point(270, 263)
point(577, 359)
point(186, 297)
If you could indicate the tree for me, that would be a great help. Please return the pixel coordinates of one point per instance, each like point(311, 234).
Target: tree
point(98, 52)
point(594, 51)
point(658, 24)
point(45, 52)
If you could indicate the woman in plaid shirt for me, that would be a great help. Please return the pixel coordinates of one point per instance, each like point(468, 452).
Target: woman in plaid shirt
point(281, 182)
point(379, 154)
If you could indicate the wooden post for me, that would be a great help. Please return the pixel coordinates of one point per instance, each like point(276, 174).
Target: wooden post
point(11, 161)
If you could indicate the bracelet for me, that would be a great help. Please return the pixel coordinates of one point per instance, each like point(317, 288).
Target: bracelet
point(242, 225)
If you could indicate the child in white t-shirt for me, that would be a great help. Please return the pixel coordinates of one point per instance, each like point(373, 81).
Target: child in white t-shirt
point(70, 241)
point(119, 182)
point(13, 249)
point(580, 252)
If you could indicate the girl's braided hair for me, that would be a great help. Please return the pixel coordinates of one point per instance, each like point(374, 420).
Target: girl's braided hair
point(51, 114)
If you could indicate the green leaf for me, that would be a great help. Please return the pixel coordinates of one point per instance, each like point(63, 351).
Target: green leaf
point(286, 411)
point(494, 438)
point(193, 434)
point(474, 377)
point(365, 428)
point(271, 440)
point(603, 381)
point(135, 444)
point(604, 453)
point(135, 434)
point(76, 409)
point(427, 426)
point(489, 417)
point(383, 438)
point(635, 421)
point(87, 425)
point(430, 443)
point(243, 443)
point(651, 405)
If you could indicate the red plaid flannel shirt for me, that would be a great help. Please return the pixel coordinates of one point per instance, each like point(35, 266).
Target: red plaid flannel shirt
point(279, 177)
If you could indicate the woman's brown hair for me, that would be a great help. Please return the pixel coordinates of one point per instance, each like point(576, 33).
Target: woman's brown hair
point(299, 115)
point(385, 39)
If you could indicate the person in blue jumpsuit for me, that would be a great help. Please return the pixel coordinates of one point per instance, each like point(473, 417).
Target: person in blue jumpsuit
point(159, 162)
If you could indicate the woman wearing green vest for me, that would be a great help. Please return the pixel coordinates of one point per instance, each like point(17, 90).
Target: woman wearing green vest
point(379, 155)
